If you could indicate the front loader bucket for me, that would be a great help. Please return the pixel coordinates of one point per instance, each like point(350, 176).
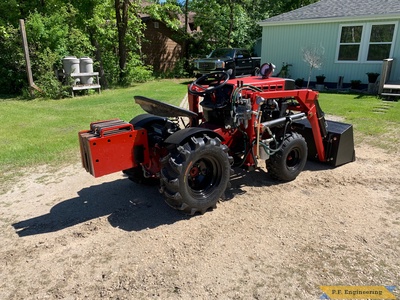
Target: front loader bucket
point(338, 143)
point(111, 146)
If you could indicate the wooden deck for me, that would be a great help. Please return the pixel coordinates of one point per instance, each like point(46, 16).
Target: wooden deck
point(392, 85)
point(391, 89)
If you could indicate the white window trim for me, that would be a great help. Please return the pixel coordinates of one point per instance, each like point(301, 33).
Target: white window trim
point(156, 25)
point(364, 43)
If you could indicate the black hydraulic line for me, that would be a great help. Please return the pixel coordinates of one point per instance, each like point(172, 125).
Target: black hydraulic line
point(283, 120)
point(247, 149)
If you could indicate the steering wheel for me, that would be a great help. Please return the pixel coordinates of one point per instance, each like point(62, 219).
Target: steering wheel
point(208, 83)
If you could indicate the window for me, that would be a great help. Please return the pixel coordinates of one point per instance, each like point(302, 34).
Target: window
point(350, 41)
point(380, 41)
point(242, 53)
point(156, 25)
point(222, 53)
point(365, 42)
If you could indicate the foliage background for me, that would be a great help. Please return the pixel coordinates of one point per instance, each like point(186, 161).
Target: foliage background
point(111, 32)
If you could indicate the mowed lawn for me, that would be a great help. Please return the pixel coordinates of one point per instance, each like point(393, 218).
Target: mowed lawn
point(46, 131)
point(375, 121)
point(41, 131)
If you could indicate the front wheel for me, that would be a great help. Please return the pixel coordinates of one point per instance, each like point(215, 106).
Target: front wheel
point(196, 174)
point(287, 163)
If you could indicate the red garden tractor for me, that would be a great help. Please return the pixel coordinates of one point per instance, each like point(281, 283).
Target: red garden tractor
point(191, 153)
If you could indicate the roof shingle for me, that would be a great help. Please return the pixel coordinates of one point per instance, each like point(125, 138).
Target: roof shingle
point(325, 9)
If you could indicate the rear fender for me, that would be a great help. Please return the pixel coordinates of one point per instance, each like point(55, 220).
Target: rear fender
point(181, 136)
point(142, 120)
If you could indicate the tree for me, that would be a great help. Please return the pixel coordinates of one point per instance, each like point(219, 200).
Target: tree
point(228, 23)
point(218, 21)
point(130, 30)
point(122, 18)
point(93, 18)
point(12, 70)
point(111, 31)
point(281, 6)
point(313, 56)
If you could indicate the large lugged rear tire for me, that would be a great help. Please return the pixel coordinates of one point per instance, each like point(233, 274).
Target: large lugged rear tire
point(196, 174)
point(286, 164)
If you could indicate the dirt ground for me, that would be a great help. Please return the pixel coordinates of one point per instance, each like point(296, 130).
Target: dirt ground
point(67, 235)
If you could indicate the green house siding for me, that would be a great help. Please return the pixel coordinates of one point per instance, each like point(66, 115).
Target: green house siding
point(285, 44)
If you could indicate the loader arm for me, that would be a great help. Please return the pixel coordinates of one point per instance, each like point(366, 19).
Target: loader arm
point(307, 102)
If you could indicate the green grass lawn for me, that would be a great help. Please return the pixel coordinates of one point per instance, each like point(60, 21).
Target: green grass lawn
point(375, 121)
point(46, 131)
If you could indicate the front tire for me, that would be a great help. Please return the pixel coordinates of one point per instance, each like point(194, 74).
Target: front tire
point(286, 164)
point(196, 174)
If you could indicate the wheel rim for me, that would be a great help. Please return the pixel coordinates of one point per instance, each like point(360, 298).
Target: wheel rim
point(204, 176)
point(293, 158)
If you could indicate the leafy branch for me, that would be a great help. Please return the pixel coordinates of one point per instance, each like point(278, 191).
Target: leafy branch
point(313, 56)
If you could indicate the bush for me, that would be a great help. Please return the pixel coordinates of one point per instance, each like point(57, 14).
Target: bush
point(51, 87)
point(12, 72)
point(136, 72)
point(53, 36)
point(50, 39)
point(179, 71)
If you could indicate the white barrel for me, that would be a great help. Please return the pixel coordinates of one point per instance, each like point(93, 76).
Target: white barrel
point(71, 65)
point(86, 66)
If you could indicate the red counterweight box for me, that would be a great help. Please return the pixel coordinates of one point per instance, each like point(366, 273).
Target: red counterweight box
point(111, 146)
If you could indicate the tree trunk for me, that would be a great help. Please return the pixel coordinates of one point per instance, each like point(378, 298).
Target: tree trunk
point(186, 42)
point(231, 19)
point(121, 12)
point(98, 56)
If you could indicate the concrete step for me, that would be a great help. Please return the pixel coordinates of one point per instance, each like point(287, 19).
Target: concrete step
point(391, 94)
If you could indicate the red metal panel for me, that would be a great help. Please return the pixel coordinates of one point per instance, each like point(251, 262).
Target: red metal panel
point(270, 84)
point(111, 149)
point(306, 100)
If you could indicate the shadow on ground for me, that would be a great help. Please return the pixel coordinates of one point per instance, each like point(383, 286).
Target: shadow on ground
point(260, 178)
point(130, 206)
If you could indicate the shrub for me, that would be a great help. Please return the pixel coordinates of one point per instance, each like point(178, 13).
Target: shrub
point(51, 87)
point(135, 71)
point(12, 72)
point(179, 71)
